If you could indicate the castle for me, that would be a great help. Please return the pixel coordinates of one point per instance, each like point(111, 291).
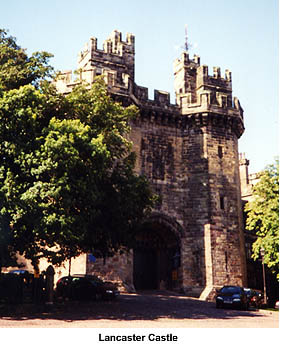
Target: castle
point(194, 239)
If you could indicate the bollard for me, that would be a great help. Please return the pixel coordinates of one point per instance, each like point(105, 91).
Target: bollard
point(35, 283)
point(49, 284)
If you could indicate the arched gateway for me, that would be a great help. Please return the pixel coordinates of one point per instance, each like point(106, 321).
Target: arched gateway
point(189, 152)
point(156, 258)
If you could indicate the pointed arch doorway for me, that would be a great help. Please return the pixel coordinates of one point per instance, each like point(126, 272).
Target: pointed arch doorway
point(157, 255)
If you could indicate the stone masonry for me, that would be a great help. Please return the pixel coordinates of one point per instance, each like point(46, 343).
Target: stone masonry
point(189, 152)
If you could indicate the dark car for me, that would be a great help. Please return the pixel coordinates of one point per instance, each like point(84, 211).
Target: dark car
point(25, 274)
point(19, 271)
point(232, 296)
point(255, 297)
point(16, 285)
point(85, 287)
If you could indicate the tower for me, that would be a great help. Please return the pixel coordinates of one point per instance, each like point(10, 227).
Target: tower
point(214, 226)
point(116, 53)
point(115, 62)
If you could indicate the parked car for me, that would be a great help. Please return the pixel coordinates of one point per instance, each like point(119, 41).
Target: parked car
point(25, 274)
point(19, 271)
point(16, 285)
point(232, 296)
point(85, 287)
point(255, 297)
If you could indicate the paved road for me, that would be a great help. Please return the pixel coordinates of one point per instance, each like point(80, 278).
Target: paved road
point(142, 310)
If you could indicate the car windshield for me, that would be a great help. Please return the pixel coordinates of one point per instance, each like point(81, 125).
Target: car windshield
point(94, 278)
point(88, 277)
point(18, 272)
point(248, 291)
point(230, 290)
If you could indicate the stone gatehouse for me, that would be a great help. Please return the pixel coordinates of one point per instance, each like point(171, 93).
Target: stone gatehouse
point(189, 151)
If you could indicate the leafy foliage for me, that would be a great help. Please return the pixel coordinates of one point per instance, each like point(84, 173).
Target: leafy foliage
point(67, 180)
point(17, 69)
point(263, 216)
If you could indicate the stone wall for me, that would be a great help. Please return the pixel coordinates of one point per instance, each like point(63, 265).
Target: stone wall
point(117, 269)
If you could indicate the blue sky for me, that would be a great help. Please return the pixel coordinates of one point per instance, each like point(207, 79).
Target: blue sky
point(239, 35)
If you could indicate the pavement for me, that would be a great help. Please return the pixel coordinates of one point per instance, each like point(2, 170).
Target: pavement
point(136, 310)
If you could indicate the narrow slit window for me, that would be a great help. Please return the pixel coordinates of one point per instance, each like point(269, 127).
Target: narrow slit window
point(220, 151)
point(226, 260)
point(221, 202)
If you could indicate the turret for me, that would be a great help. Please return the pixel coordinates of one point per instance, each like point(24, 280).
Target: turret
point(215, 122)
point(198, 92)
point(116, 61)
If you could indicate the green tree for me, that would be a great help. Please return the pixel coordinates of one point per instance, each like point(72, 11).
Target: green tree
point(263, 217)
point(17, 68)
point(67, 180)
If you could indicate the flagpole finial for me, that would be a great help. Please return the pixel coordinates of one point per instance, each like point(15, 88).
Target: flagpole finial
point(186, 38)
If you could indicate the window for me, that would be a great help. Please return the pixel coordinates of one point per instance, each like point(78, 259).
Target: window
point(248, 250)
point(111, 79)
point(220, 151)
point(226, 260)
point(222, 203)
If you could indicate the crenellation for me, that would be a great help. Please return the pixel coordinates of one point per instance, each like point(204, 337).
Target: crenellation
point(216, 72)
point(65, 76)
point(161, 97)
point(141, 93)
point(107, 47)
point(228, 75)
point(93, 44)
point(130, 38)
point(197, 59)
point(115, 45)
point(203, 71)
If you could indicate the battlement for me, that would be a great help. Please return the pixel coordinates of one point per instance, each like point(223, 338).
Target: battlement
point(196, 90)
point(161, 98)
point(113, 45)
point(185, 63)
point(116, 63)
